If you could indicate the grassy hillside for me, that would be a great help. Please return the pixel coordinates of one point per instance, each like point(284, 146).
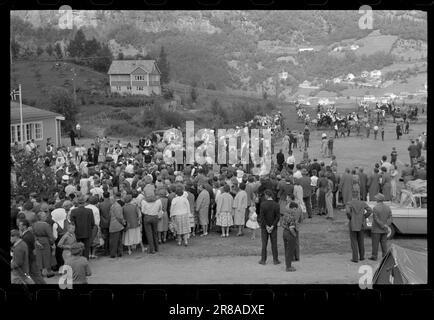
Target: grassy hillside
point(37, 77)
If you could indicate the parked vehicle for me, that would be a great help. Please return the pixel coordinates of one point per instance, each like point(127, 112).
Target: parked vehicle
point(406, 219)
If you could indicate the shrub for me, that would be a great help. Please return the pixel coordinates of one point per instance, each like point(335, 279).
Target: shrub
point(217, 109)
point(211, 86)
point(170, 118)
point(123, 129)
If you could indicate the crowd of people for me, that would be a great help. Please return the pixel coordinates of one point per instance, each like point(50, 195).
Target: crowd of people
point(113, 199)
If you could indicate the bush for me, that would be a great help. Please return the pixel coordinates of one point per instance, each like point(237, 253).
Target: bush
point(123, 129)
point(211, 86)
point(217, 109)
point(167, 93)
point(170, 118)
point(119, 114)
point(270, 107)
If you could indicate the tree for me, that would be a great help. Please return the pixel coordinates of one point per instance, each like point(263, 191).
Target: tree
point(77, 45)
point(121, 56)
point(163, 65)
point(91, 48)
point(58, 51)
point(103, 60)
point(39, 51)
point(31, 176)
point(62, 102)
point(49, 50)
point(15, 48)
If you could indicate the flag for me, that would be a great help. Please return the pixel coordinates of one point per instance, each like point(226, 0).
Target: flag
point(15, 94)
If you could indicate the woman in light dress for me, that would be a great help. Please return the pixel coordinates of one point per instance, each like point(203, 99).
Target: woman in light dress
point(133, 216)
point(240, 206)
point(224, 205)
point(298, 195)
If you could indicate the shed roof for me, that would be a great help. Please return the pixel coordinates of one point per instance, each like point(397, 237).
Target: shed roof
point(31, 113)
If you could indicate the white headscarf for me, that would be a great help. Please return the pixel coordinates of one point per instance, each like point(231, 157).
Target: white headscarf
point(59, 216)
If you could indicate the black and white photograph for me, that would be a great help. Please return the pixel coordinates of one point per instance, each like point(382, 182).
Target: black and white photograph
point(218, 147)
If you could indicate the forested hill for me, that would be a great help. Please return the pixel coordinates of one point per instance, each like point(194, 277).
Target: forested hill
point(236, 49)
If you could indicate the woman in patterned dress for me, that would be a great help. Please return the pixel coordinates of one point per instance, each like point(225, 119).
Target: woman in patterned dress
point(224, 210)
point(179, 212)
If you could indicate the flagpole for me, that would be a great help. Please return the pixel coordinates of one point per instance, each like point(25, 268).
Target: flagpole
point(21, 116)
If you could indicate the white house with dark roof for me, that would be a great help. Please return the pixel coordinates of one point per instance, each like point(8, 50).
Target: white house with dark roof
point(135, 77)
point(38, 124)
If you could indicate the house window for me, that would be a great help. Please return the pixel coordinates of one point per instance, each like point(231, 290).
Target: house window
point(13, 134)
point(139, 88)
point(38, 130)
point(18, 133)
point(29, 131)
point(139, 78)
point(129, 88)
point(118, 88)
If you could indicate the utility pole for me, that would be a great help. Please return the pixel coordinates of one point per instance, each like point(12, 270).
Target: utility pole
point(73, 84)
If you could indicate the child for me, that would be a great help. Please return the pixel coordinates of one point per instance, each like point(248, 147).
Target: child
point(79, 264)
point(252, 223)
point(67, 240)
point(382, 133)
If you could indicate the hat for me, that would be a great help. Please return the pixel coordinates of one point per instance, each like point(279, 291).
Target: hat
point(81, 200)
point(304, 171)
point(179, 179)
point(65, 177)
point(379, 197)
point(76, 248)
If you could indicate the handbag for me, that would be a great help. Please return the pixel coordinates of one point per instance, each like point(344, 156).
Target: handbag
point(160, 214)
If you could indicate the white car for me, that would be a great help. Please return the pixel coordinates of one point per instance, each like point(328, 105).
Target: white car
point(410, 219)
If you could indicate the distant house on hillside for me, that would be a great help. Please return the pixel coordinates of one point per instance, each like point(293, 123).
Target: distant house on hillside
point(354, 47)
point(305, 49)
point(337, 80)
point(364, 74)
point(338, 49)
point(140, 77)
point(375, 74)
point(350, 77)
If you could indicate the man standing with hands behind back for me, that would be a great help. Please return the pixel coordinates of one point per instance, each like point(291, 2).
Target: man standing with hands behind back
point(382, 219)
point(357, 212)
point(269, 215)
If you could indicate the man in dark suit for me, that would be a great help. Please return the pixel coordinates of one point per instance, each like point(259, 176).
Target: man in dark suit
point(357, 212)
point(280, 157)
point(104, 210)
point(269, 215)
point(20, 259)
point(28, 237)
point(382, 219)
point(92, 154)
point(84, 222)
point(363, 180)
